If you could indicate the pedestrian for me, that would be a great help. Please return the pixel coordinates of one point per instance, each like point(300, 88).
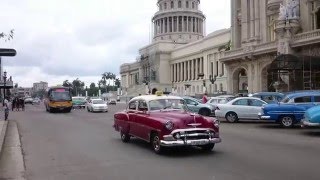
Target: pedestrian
point(205, 98)
point(6, 108)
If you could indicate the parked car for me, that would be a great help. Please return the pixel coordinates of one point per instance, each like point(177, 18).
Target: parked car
point(113, 101)
point(196, 106)
point(36, 101)
point(269, 97)
point(311, 117)
point(291, 109)
point(79, 102)
point(28, 100)
point(165, 122)
point(97, 105)
point(240, 108)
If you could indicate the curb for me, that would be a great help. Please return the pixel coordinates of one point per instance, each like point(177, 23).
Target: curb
point(2, 135)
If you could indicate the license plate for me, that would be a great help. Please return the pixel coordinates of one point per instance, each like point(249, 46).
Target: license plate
point(195, 143)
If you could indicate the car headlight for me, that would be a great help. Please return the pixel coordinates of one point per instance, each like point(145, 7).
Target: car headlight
point(169, 125)
point(216, 123)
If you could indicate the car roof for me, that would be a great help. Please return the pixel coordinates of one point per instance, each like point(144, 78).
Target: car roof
point(246, 98)
point(267, 93)
point(154, 97)
point(96, 99)
point(293, 95)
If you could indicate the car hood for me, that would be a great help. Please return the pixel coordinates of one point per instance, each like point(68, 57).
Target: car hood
point(182, 119)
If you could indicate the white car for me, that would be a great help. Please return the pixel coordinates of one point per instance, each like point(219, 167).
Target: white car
point(97, 105)
point(240, 108)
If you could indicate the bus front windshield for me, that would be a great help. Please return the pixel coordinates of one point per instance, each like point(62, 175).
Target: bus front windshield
point(60, 96)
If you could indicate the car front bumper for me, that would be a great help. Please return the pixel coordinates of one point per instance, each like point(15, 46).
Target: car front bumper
point(100, 109)
point(306, 123)
point(191, 137)
point(263, 117)
point(196, 142)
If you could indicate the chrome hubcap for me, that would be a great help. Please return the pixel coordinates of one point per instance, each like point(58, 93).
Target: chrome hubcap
point(156, 143)
point(287, 121)
point(231, 117)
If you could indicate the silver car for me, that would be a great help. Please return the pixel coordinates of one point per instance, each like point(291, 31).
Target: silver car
point(97, 105)
point(240, 108)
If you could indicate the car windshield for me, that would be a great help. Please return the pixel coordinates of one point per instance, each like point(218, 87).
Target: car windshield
point(160, 104)
point(55, 95)
point(285, 100)
point(78, 99)
point(98, 102)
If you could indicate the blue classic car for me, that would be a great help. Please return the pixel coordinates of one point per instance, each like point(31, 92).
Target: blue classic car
point(196, 106)
point(311, 117)
point(291, 109)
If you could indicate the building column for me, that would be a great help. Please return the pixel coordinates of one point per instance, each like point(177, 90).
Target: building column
point(257, 18)
point(177, 24)
point(192, 69)
point(154, 28)
point(206, 67)
point(197, 69)
point(168, 23)
point(252, 18)
point(181, 72)
point(187, 24)
point(185, 71)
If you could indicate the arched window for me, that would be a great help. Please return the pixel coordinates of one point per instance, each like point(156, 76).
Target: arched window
point(221, 87)
point(179, 4)
point(187, 4)
point(165, 5)
point(172, 5)
point(192, 5)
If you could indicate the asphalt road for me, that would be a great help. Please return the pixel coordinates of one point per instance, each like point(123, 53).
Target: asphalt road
point(84, 146)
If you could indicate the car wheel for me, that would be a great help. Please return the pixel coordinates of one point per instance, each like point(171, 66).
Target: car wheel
point(124, 137)
point(204, 112)
point(207, 147)
point(88, 109)
point(155, 142)
point(232, 117)
point(286, 121)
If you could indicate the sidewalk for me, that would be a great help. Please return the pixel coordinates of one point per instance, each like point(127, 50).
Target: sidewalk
point(3, 129)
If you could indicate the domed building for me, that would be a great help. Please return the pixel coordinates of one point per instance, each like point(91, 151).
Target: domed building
point(181, 59)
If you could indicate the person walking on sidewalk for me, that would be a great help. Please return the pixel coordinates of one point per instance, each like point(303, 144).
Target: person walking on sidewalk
point(6, 109)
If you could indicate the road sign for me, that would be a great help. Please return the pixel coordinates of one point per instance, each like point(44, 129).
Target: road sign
point(7, 52)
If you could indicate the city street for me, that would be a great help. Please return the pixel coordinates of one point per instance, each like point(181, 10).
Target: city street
point(84, 146)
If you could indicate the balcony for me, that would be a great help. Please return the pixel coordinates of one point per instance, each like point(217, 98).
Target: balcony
point(258, 49)
point(306, 38)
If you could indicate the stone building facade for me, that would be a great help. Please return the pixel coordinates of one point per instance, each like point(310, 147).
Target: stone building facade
point(269, 38)
point(180, 51)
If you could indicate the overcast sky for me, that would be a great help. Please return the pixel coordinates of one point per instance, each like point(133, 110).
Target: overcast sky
point(68, 39)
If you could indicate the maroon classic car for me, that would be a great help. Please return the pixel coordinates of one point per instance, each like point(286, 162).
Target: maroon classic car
point(164, 121)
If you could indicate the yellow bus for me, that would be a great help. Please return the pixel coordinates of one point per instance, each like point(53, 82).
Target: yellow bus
point(58, 99)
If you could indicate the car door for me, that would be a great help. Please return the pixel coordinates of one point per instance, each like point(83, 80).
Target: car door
point(241, 108)
point(132, 113)
point(301, 105)
point(142, 120)
point(193, 106)
point(255, 108)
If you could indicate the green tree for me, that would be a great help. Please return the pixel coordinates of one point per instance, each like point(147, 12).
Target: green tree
point(117, 82)
point(66, 83)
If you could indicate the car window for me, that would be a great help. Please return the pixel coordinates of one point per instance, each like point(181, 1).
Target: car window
point(317, 99)
point(241, 102)
point(256, 103)
point(304, 99)
point(191, 102)
point(132, 105)
point(97, 102)
point(142, 106)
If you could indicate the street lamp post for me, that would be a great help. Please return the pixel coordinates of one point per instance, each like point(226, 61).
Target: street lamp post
point(212, 79)
point(4, 84)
